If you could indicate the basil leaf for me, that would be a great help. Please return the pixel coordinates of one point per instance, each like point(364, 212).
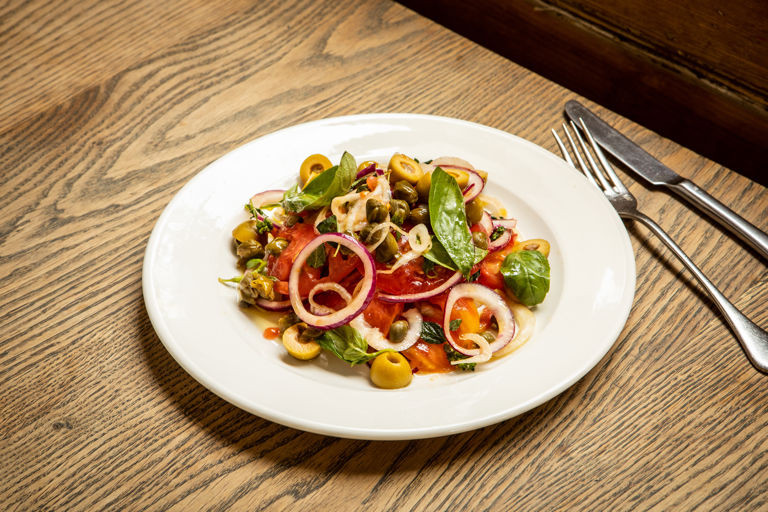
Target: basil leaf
point(454, 324)
point(449, 220)
point(432, 332)
point(437, 254)
point(319, 192)
point(526, 274)
point(348, 345)
point(328, 225)
point(316, 258)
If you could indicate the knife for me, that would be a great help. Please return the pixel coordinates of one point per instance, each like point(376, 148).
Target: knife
point(656, 173)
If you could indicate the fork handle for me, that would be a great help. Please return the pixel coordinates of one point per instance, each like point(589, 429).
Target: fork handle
point(753, 339)
point(747, 232)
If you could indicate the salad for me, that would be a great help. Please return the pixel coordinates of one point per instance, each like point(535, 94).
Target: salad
point(406, 267)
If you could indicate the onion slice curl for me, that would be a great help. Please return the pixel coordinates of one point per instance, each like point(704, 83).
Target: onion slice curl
point(491, 300)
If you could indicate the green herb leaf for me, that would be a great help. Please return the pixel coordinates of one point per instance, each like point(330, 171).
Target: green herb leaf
point(497, 233)
point(474, 277)
point(319, 192)
point(328, 225)
point(454, 324)
point(449, 220)
point(348, 345)
point(432, 332)
point(257, 264)
point(454, 355)
point(317, 258)
point(526, 274)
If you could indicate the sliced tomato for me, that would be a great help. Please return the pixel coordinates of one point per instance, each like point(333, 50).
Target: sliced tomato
point(490, 275)
point(298, 236)
point(428, 358)
point(381, 314)
point(410, 278)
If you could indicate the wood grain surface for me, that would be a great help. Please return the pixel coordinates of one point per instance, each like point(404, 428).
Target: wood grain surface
point(108, 108)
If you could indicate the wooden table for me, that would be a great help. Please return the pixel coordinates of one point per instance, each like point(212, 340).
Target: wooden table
point(108, 108)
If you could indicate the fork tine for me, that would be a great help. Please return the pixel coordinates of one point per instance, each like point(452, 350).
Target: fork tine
point(617, 183)
point(593, 167)
point(582, 165)
point(564, 151)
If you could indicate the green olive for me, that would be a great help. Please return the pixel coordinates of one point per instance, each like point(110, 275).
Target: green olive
point(405, 191)
point(419, 215)
point(534, 244)
point(398, 211)
point(387, 249)
point(391, 370)
point(398, 330)
point(474, 211)
point(247, 231)
point(375, 210)
point(312, 166)
point(250, 249)
point(286, 321)
point(422, 186)
point(404, 168)
point(276, 246)
point(299, 347)
point(480, 239)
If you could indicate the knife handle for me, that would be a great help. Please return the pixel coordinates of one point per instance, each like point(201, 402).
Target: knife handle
point(747, 232)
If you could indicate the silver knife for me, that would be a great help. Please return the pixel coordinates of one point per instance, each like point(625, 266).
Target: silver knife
point(656, 173)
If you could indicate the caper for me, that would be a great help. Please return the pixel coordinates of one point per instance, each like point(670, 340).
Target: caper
point(398, 330)
point(375, 210)
point(419, 215)
point(276, 246)
point(489, 336)
point(405, 191)
point(474, 211)
point(286, 321)
point(250, 249)
point(480, 239)
point(398, 211)
point(387, 249)
point(310, 333)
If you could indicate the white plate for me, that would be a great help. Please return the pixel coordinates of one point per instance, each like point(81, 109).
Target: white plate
point(221, 345)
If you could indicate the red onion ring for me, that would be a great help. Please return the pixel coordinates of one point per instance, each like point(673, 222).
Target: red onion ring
point(267, 197)
point(491, 300)
point(486, 223)
point(503, 240)
point(368, 170)
point(358, 303)
point(413, 297)
point(274, 305)
point(474, 185)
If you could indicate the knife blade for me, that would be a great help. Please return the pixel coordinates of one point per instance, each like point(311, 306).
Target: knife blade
point(656, 173)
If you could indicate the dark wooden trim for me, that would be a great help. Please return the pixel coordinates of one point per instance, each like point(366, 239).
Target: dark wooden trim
point(653, 90)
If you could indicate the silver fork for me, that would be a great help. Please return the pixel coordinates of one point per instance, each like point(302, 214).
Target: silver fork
point(753, 339)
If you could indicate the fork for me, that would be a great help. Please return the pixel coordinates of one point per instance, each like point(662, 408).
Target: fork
point(753, 339)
